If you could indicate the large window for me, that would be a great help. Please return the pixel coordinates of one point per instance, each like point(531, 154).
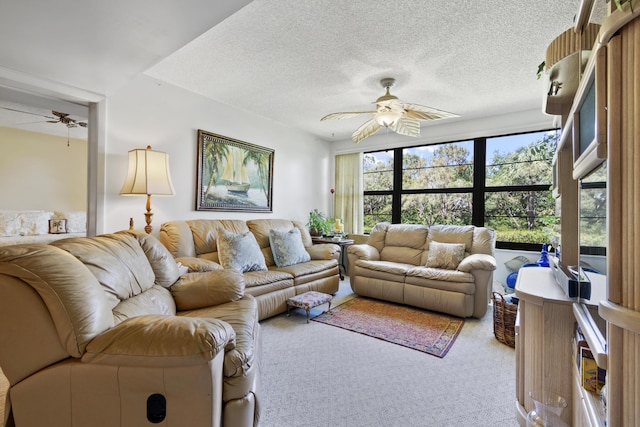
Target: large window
point(378, 188)
point(517, 198)
point(500, 182)
point(593, 212)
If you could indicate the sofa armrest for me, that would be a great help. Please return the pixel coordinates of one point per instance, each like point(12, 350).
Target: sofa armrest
point(160, 341)
point(208, 288)
point(194, 264)
point(324, 251)
point(364, 251)
point(477, 262)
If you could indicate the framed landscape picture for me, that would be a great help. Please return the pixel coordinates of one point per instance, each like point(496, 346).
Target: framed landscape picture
point(233, 175)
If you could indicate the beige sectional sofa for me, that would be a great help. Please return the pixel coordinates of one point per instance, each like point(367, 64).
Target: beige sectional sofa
point(101, 331)
point(195, 244)
point(443, 268)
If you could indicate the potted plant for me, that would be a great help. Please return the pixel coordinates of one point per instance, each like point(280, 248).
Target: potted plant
point(318, 223)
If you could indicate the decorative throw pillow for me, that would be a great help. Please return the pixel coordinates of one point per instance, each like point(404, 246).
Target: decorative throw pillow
point(33, 223)
point(287, 247)
point(57, 226)
point(445, 255)
point(76, 220)
point(517, 262)
point(240, 252)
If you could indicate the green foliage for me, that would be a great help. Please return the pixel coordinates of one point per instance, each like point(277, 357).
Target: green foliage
point(524, 236)
point(541, 69)
point(520, 216)
point(319, 223)
point(619, 4)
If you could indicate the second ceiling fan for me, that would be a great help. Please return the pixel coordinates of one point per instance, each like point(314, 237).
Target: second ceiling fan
point(391, 113)
point(59, 118)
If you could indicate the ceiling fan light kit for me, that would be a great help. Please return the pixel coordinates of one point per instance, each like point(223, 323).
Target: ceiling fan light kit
point(387, 118)
point(402, 118)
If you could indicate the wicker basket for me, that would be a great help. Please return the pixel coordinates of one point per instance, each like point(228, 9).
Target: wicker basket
point(504, 320)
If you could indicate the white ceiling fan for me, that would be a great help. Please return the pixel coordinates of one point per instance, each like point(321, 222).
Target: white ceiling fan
point(391, 113)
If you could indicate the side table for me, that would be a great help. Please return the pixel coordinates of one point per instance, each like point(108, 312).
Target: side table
point(342, 259)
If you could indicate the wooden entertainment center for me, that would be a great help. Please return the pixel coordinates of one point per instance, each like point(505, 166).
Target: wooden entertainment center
point(593, 76)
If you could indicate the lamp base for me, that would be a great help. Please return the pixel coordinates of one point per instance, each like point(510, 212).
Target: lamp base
point(148, 215)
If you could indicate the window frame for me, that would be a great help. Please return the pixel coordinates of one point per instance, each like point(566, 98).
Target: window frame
point(478, 189)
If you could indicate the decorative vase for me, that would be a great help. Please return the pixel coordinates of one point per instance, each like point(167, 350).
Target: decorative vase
point(544, 260)
point(548, 411)
point(315, 232)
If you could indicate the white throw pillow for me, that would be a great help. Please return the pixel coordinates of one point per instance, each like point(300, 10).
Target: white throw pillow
point(9, 223)
point(34, 223)
point(445, 255)
point(240, 252)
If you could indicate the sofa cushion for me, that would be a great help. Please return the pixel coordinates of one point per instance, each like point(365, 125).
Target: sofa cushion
point(59, 278)
point(116, 260)
point(240, 252)
point(445, 255)
point(287, 247)
point(402, 255)
point(383, 266)
point(163, 264)
point(439, 274)
point(452, 234)
point(378, 235)
point(308, 268)
point(197, 290)
point(206, 233)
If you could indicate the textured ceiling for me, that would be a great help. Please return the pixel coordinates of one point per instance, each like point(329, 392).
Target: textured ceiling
point(291, 61)
point(296, 61)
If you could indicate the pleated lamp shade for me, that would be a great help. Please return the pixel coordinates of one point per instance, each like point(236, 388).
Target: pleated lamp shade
point(148, 175)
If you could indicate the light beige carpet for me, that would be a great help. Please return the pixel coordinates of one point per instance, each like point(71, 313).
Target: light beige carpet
point(317, 375)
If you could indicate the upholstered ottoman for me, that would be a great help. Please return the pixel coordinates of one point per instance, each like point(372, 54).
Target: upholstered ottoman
point(309, 300)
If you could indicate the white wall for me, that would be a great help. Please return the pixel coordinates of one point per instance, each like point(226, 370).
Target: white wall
point(148, 112)
point(40, 172)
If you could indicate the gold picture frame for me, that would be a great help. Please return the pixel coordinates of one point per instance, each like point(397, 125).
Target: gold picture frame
point(233, 175)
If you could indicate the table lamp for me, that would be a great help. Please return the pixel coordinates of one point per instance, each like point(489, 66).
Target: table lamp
point(148, 174)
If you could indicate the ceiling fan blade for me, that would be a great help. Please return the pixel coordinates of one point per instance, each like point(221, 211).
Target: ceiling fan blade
point(27, 112)
point(367, 129)
point(82, 124)
point(53, 121)
point(406, 126)
point(345, 115)
point(420, 112)
point(29, 123)
point(61, 115)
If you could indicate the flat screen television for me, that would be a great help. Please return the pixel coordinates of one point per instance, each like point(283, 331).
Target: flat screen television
point(590, 117)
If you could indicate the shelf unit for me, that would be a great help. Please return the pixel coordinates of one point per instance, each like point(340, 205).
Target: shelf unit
point(545, 326)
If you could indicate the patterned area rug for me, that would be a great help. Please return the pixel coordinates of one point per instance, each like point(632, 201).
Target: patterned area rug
point(421, 330)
